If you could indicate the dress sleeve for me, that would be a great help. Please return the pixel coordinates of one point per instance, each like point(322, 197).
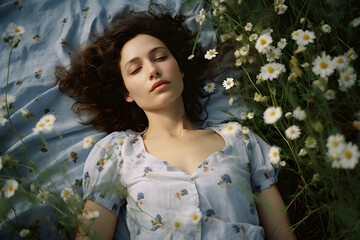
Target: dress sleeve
point(101, 180)
point(263, 173)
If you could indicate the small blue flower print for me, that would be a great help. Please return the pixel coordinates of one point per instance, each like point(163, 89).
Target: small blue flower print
point(99, 168)
point(184, 192)
point(147, 169)
point(252, 208)
point(236, 228)
point(210, 212)
point(257, 187)
point(140, 196)
point(156, 222)
point(86, 176)
point(225, 179)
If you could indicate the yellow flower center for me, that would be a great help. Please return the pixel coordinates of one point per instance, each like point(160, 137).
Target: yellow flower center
point(16, 30)
point(209, 85)
point(176, 224)
point(228, 83)
point(306, 37)
point(10, 188)
point(323, 65)
point(195, 217)
point(347, 154)
point(346, 78)
point(339, 60)
point(4, 100)
point(211, 53)
point(275, 154)
point(263, 42)
point(272, 54)
point(66, 192)
point(229, 127)
point(335, 143)
point(272, 113)
point(270, 69)
point(292, 131)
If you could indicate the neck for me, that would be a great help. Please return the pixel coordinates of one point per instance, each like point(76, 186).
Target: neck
point(170, 121)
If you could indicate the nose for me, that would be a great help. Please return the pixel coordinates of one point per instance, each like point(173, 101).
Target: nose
point(154, 71)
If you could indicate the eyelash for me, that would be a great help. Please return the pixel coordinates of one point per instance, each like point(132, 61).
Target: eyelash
point(156, 59)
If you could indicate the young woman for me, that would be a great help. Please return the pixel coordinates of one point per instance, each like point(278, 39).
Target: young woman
point(157, 175)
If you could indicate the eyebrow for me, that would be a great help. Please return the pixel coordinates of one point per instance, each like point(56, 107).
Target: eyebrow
point(136, 58)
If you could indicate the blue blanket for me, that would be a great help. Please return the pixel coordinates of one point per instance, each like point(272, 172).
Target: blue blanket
point(54, 30)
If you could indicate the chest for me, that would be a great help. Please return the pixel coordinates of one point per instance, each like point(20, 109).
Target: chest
point(186, 153)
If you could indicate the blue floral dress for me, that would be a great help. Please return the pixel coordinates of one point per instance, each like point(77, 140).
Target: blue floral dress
point(154, 199)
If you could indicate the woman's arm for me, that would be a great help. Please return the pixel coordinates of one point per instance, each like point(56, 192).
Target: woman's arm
point(104, 225)
point(273, 218)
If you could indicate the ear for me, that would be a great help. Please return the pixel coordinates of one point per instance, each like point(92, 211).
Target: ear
point(128, 98)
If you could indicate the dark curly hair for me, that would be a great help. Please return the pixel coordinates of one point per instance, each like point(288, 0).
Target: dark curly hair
point(95, 82)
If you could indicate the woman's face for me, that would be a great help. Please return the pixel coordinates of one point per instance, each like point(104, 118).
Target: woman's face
point(151, 73)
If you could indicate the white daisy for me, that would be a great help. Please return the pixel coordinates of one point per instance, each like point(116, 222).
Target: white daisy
point(211, 53)
point(231, 128)
point(351, 55)
point(288, 114)
point(248, 26)
point(330, 94)
point(191, 56)
point(26, 113)
point(263, 42)
point(272, 114)
point(92, 215)
point(239, 38)
point(43, 195)
point(228, 83)
point(282, 43)
point(350, 156)
point(253, 37)
point(280, 8)
point(299, 114)
point(45, 124)
point(10, 187)
point(196, 217)
point(177, 224)
point(238, 62)
point(297, 34)
point(274, 155)
point(323, 66)
point(302, 152)
point(272, 54)
point(341, 62)
point(355, 22)
point(66, 193)
point(347, 79)
point(250, 115)
point(15, 31)
point(326, 28)
point(293, 132)
point(88, 141)
point(200, 18)
point(335, 144)
point(24, 233)
point(305, 37)
point(9, 99)
point(305, 65)
point(245, 130)
point(244, 50)
point(3, 119)
point(209, 87)
point(243, 116)
point(310, 142)
point(271, 71)
point(257, 97)
point(225, 37)
point(320, 84)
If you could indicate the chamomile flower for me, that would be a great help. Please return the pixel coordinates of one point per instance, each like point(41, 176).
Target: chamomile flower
point(271, 71)
point(231, 101)
point(209, 87)
point(228, 83)
point(302, 152)
point(88, 141)
point(310, 142)
point(280, 8)
point(347, 79)
point(323, 66)
point(350, 156)
point(239, 38)
point(24, 233)
point(253, 37)
point(250, 115)
point(231, 128)
point(245, 130)
point(272, 54)
point(272, 115)
point(330, 94)
point(10, 187)
point(263, 42)
point(320, 84)
point(45, 124)
point(9, 100)
point(274, 155)
point(293, 132)
point(238, 62)
point(15, 31)
point(351, 55)
point(305, 37)
point(257, 97)
point(244, 50)
point(196, 217)
point(177, 224)
point(341, 62)
point(297, 34)
point(288, 114)
point(3, 119)
point(66, 194)
point(26, 113)
point(335, 144)
point(92, 215)
point(211, 53)
point(299, 114)
point(43, 195)
point(200, 18)
point(248, 26)
point(282, 43)
point(326, 28)
point(225, 37)
point(355, 22)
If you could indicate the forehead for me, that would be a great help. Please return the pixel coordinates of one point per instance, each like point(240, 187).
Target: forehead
point(138, 46)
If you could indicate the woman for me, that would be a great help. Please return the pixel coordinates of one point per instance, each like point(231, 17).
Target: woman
point(171, 179)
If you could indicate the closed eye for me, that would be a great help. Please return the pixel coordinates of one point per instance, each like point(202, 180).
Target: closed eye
point(161, 58)
point(135, 71)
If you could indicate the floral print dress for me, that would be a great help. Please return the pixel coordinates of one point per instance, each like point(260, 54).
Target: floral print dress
point(154, 199)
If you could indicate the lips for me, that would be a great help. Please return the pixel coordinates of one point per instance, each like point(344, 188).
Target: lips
point(158, 83)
